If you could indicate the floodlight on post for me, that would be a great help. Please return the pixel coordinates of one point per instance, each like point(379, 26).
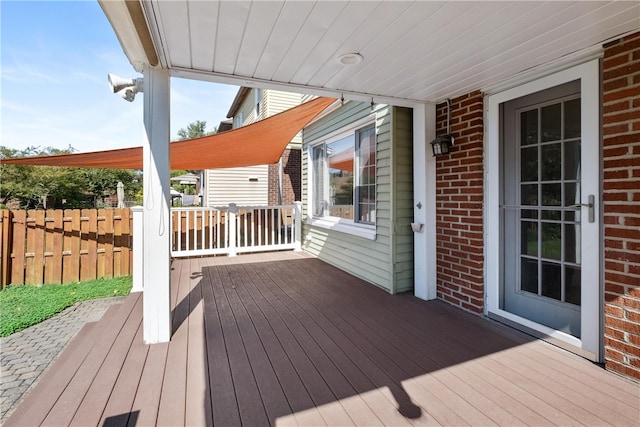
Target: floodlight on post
point(127, 88)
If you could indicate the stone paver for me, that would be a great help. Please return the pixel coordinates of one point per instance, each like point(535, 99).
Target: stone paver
point(25, 355)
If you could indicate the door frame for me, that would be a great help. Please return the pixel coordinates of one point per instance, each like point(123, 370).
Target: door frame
point(590, 344)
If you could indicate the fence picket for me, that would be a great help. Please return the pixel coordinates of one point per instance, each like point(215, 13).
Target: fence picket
point(5, 244)
point(53, 247)
point(34, 256)
point(18, 245)
point(71, 246)
point(89, 245)
point(107, 228)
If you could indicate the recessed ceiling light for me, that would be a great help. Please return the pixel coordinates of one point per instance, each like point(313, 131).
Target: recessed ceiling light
point(349, 59)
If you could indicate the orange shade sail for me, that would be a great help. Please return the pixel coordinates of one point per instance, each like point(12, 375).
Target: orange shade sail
point(259, 143)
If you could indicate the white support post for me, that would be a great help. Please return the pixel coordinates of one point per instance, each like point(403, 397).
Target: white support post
point(138, 248)
point(232, 229)
point(424, 199)
point(297, 221)
point(157, 245)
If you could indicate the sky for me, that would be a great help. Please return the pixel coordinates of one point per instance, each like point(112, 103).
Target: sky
point(54, 61)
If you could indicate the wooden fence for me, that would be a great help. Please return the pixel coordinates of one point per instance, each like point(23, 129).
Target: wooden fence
point(61, 246)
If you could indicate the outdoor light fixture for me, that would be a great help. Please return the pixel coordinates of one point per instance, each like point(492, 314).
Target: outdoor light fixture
point(127, 88)
point(442, 143)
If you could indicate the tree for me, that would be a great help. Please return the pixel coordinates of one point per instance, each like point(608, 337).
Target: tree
point(195, 129)
point(53, 186)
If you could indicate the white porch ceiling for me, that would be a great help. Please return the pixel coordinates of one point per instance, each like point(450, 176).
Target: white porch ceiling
point(413, 51)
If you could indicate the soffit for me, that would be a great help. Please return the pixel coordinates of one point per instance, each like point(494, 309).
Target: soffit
point(423, 51)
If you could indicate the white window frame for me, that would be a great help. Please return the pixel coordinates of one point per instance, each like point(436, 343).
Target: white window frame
point(343, 225)
point(589, 75)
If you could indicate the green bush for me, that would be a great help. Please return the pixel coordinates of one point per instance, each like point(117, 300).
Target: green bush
point(23, 306)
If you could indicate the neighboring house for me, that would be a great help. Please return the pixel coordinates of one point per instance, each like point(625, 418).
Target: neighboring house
point(260, 185)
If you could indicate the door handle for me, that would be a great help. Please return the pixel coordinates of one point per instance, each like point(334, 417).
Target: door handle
point(590, 205)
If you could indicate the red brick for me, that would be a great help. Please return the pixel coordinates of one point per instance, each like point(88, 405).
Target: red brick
point(616, 129)
point(616, 174)
point(615, 61)
point(622, 324)
point(633, 316)
point(620, 163)
point(621, 117)
point(615, 197)
point(616, 106)
point(623, 255)
point(621, 139)
point(621, 94)
point(611, 354)
point(616, 151)
point(625, 70)
point(620, 185)
point(622, 369)
point(614, 333)
point(626, 45)
point(616, 84)
point(614, 289)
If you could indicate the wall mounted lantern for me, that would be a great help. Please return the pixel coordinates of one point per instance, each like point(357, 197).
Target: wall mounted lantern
point(441, 144)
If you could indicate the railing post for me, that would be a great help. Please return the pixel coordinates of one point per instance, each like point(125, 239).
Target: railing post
point(232, 229)
point(297, 221)
point(138, 248)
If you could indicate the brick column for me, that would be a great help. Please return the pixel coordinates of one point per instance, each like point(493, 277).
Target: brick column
point(459, 198)
point(621, 200)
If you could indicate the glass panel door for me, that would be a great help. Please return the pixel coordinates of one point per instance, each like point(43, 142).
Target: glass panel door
point(541, 210)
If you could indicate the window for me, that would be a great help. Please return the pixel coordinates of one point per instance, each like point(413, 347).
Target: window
point(239, 119)
point(344, 177)
point(257, 99)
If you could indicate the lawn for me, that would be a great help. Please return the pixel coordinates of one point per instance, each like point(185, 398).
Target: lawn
point(24, 305)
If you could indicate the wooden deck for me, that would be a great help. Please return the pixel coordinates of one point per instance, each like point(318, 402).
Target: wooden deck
point(285, 339)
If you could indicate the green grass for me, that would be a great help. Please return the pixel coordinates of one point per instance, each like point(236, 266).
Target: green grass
point(24, 306)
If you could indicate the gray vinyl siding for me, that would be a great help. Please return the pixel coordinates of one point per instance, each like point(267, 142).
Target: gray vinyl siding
point(275, 102)
point(232, 185)
point(403, 195)
point(387, 261)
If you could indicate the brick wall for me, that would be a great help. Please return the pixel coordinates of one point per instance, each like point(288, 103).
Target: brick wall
point(291, 178)
point(621, 200)
point(459, 197)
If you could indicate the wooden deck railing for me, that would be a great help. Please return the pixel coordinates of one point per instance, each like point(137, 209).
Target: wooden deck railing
point(234, 229)
point(62, 246)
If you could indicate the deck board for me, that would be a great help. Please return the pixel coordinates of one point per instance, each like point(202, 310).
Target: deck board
point(95, 400)
point(73, 395)
point(118, 408)
point(285, 339)
point(198, 405)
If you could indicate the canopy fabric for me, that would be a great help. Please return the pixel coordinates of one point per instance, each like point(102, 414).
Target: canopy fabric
point(259, 143)
point(343, 160)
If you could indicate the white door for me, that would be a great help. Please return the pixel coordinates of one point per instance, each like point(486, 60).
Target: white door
point(545, 145)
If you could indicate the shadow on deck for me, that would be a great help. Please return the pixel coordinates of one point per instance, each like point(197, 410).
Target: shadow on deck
point(285, 339)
